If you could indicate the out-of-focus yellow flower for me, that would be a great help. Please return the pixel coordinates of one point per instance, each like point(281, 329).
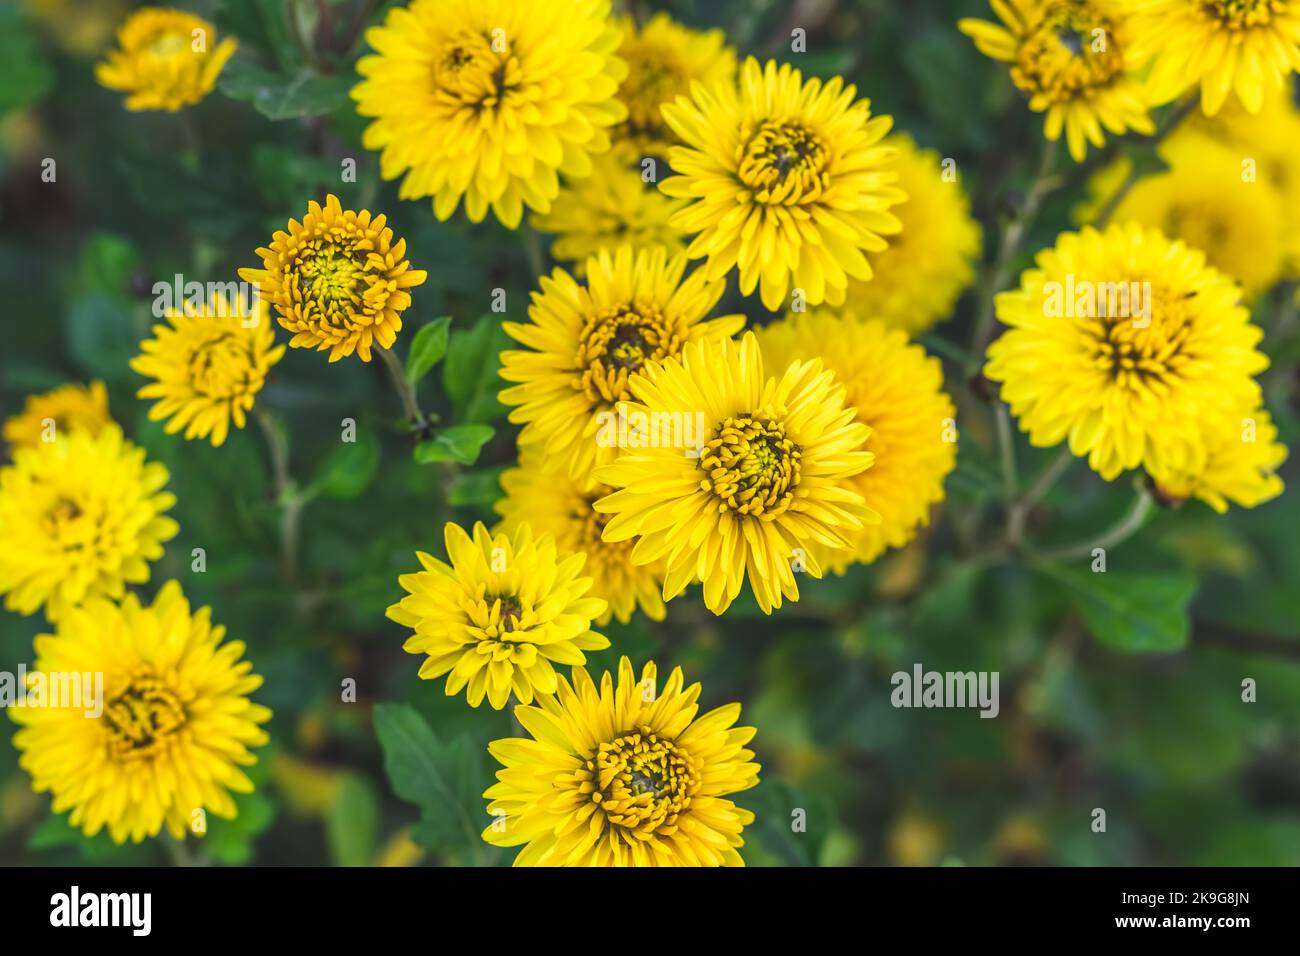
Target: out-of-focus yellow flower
point(664, 58)
point(610, 208)
point(1246, 47)
point(490, 100)
point(1241, 462)
point(788, 182)
point(553, 502)
point(67, 409)
point(1129, 346)
point(207, 366)
point(338, 281)
point(165, 60)
point(81, 27)
point(623, 774)
point(80, 518)
point(1075, 60)
point(916, 281)
point(769, 484)
point(897, 390)
point(499, 615)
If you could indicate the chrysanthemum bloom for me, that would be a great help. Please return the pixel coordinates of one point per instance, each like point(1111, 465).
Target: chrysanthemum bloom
point(491, 100)
point(1240, 224)
point(586, 341)
point(175, 727)
point(207, 366)
point(551, 502)
point(1075, 60)
point(611, 207)
point(1246, 47)
point(338, 281)
point(80, 518)
point(788, 181)
point(1126, 344)
point(769, 484)
point(918, 279)
point(1241, 462)
point(897, 390)
point(664, 58)
point(623, 775)
point(499, 615)
point(166, 60)
point(50, 416)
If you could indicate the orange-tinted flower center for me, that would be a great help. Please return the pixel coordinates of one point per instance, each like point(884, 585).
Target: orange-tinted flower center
point(1071, 49)
point(752, 467)
point(142, 717)
point(615, 344)
point(640, 781)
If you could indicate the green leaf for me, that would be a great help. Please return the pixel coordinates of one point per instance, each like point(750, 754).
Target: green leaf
point(101, 337)
point(232, 841)
point(427, 349)
point(461, 444)
point(470, 488)
point(352, 822)
point(262, 25)
point(25, 76)
point(349, 469)
point(279, 97)
point(470, 373)
point(107, 262)
point(1132, 609)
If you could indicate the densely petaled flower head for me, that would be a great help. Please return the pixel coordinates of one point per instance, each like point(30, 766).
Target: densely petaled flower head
point(897, 391)
point(623, 775)
point(1202, 199)
point(552, 502)
point(1246, 47)
point(1241, 462)
point(176, 723)
point(664, 58)
point(48, 417)
point(918, 279)
point(79, 518)
point(610, 208)
point(788, 181)
point(208, 365)
point(166, 60)
point(587, 341)
point(499, 615)
point(338, 281)
point(490, 99)
point(1074, 59)
point(770, 482)
point(1131, 374)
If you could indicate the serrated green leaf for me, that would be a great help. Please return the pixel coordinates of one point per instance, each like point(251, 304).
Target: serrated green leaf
point(460, 444)
point(1136, 610)
point(280, 97)
point(427, 349)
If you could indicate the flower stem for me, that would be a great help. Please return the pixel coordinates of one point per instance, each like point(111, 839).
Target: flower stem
point(1007, 447)
point(419, 422)
point(1118, 533)
point(284, 490)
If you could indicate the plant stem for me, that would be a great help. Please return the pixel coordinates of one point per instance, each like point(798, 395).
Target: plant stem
point(1118, 533)
point(1007, 447)
point(284, 490)
point(419, 422)
point(1019, 510)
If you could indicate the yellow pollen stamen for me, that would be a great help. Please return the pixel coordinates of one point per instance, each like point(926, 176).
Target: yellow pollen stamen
point(641, 782)
point(752, 467)
point(142, 717)
point(616, 343)
point(783, 163)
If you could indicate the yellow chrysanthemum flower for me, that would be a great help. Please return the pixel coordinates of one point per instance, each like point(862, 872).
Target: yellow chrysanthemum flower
point(1241, 462)
point(338, 281)
point(1074, 59)
point(1202, 199)
point(623, 775)
point(664, 58)
point(585, 342)
point(770, 482)
point(551, 502)
point(1128, 345)
point(79, 518)
point(48, 417)
point(496, 618)
point(610, 208)
point(916, 281)
point(1247, 47)
point(788, 181)
point(81, 27)
point(166, 60)
point(897, 390)
point(175, 722)
point(207, 366)
point(491, 100)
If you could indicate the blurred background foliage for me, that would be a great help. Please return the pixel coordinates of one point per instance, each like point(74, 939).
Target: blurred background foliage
point(1120, 691)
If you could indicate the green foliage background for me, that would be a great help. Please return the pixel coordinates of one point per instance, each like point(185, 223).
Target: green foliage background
point(1120, 691)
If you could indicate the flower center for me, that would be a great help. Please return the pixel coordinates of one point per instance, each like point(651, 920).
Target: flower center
point(616, 343)
point(332, 281)
point(476, 70)
point(1242, 14)
point(640, 781)
point(63, 512)
point(784, 163)
point(655, 77)
point(752, 466)
point(220, 365)
point(142, 717)
point(169, 44)
point(1145, 349)
point(1072, 49)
